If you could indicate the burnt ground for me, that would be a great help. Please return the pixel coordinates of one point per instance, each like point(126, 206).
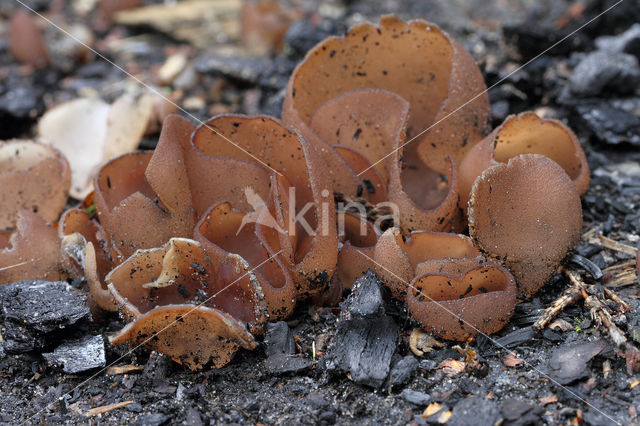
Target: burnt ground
point(603, 108)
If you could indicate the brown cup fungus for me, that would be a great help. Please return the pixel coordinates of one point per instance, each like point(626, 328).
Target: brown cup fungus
point(32, 252)
point(234, 185)
point(358, 244)
point(525, 133)
point(416, 61)
point(34, 185)
point(526, 214)
point(186, 304)
point(33, 177)
point(449, 287)
point(458, 306)
point(87, 251)
point(399, 259)
point(228, 224)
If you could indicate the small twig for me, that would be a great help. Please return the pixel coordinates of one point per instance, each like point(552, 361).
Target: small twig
point(616, 298)
point(625, 265)
point(617, 246)
point(616, 335)
point(123, 369)
point(621, 279)
point(570, 296)
point(107, 408)
point(590, 233)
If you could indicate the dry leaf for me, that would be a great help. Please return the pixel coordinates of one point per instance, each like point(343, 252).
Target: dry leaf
point(431, 409)
point(560, 324)
point(107, 408)
point(421, 342)
point(89, 132)
point(512, 360)
point(549, 399)
point(451, 367)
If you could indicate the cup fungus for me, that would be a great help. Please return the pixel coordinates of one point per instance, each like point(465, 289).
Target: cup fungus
point(367, 125)
point(200, 303)
point(526, 214)
point(358, 243)
point(355, 106)
point(235, 199)
point(30, 253)
point(88, 252)
point(415, 60)
point(33, 177)
point(399, 259)
point(227, 225)
point(449, 287)
point(457, 306)
point(299, 191)
point(525, 133)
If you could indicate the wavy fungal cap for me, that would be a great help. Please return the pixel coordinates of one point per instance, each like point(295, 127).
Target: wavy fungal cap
point(416, 61)
point(33, 177)
point(526, 133)
point(526, 214)
point(399, 259)
point(203, 302)
point(30, 253)
point(456, 307)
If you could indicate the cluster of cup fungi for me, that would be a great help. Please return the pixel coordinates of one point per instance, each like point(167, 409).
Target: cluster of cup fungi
point(228, 225)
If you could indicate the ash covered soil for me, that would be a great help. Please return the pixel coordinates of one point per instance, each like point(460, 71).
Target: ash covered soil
point(568, 372)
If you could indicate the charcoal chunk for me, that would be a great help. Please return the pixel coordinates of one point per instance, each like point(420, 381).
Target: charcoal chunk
point(20, 105)
point(517, 412)
point(276, 74)
point(568, 362)
point(403, 370)
point(193, 417)
point(302, 35)
point(43, 306)
point(512, 409)
point(516, 337)
point(474, 411)
point(279, 339)
point(22, 102)
point(242, 69)
point(37, 313)
point(282, 364)
point(415, 397)
point(609, 124)
point(19, 339)
point(155, 419)
point(366, 300)
point(604, 71)
point(366, 337)
point(627, 42)
point(76, 356)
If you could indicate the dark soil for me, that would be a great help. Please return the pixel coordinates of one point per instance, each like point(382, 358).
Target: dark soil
point(597, 392)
